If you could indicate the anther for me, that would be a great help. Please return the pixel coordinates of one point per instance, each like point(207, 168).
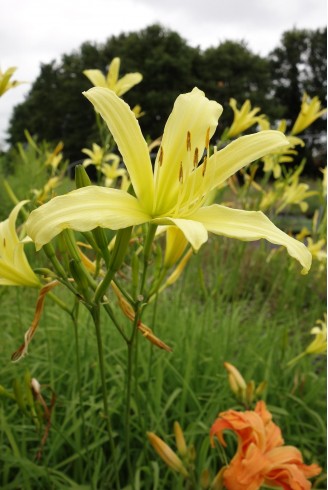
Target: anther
point(181, 174)
point(4, 242)
point(160, 159)
point(207, 139)
point(188, 141)
point(196, 158)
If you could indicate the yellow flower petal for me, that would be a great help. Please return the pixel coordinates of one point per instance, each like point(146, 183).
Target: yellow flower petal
point(127, 82)
point(14, 267)
point(194, 115)
point(83, 210)
point(113, 72)
point(249, 226)
point(241, 152)
point(125, 129)
point(96, 77)
point(194, 231)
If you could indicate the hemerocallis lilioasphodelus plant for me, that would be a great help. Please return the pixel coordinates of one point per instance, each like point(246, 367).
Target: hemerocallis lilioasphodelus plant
point(244, 118)
point(14, 267)
point(310, 111)
point(112, 81)
point(5, 82)
point(175, 192)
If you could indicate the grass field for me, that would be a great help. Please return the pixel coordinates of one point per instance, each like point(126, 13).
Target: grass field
point(231, 304)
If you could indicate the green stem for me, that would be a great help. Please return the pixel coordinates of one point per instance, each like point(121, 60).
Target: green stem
point(95, 312)
point(130, 345)
point(74, 316)
point(147, 249)
point(117, 256)
point(50, 253)
point(111, 315)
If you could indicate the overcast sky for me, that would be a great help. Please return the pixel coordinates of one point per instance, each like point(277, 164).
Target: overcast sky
point(38, 31)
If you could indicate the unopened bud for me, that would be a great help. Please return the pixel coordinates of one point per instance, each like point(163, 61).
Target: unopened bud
point(168, 456)
point(250, 391)
point(36, 387)
point(82, 179)
point(179, 439)
point(237, 383)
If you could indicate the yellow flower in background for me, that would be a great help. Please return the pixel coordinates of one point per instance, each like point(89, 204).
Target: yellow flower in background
point(273, 161)
point(175, 192)
point(137, 111)
point(310, 111)
point(5, 82)
point(46, 192)
point(14, 267)
point(107, 163)
point(112, 81)
point(55, 157)
point(319, 344)
point(97, 156)
point(244, 118)
point(318, 249)
point(286, 193)
point(295, 193)
point(112, 171)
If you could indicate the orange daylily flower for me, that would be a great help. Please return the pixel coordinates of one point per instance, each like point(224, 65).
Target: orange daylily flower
point(261, 457)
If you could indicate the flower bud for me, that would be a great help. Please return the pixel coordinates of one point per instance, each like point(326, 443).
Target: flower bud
point(81, 177)
point(179, 439)
point(168, 456)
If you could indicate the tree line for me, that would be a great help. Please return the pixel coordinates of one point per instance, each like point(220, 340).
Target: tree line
point(55, 109)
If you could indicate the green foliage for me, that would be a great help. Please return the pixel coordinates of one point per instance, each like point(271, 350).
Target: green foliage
point(227, 307)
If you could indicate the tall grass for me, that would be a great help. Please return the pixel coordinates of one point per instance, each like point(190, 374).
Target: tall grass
point(232, 304)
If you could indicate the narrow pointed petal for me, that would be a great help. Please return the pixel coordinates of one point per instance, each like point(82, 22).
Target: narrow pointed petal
point(96, 77)
point(127, 82)
point(83, 210)
point(113, 73)
point(243, 151)
point(194, 231)
point(223, 164)
point(192, 114)
point(249, 226)
point(14, 267)
point(126, 131)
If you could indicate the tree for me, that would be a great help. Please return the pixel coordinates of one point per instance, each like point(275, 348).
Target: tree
point(299, 65)
point(232, 70)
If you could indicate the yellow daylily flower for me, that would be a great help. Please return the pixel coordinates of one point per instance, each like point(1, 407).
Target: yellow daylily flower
point(97, 156)
point(5, 83)
point(310, 111)
point(119, 85)
point(318, 249)
point(244, 118)
point(111, 171)
point(319, 343)
point(273, 161)
point(55, 157)
point(14, 267)
point(174, 194)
